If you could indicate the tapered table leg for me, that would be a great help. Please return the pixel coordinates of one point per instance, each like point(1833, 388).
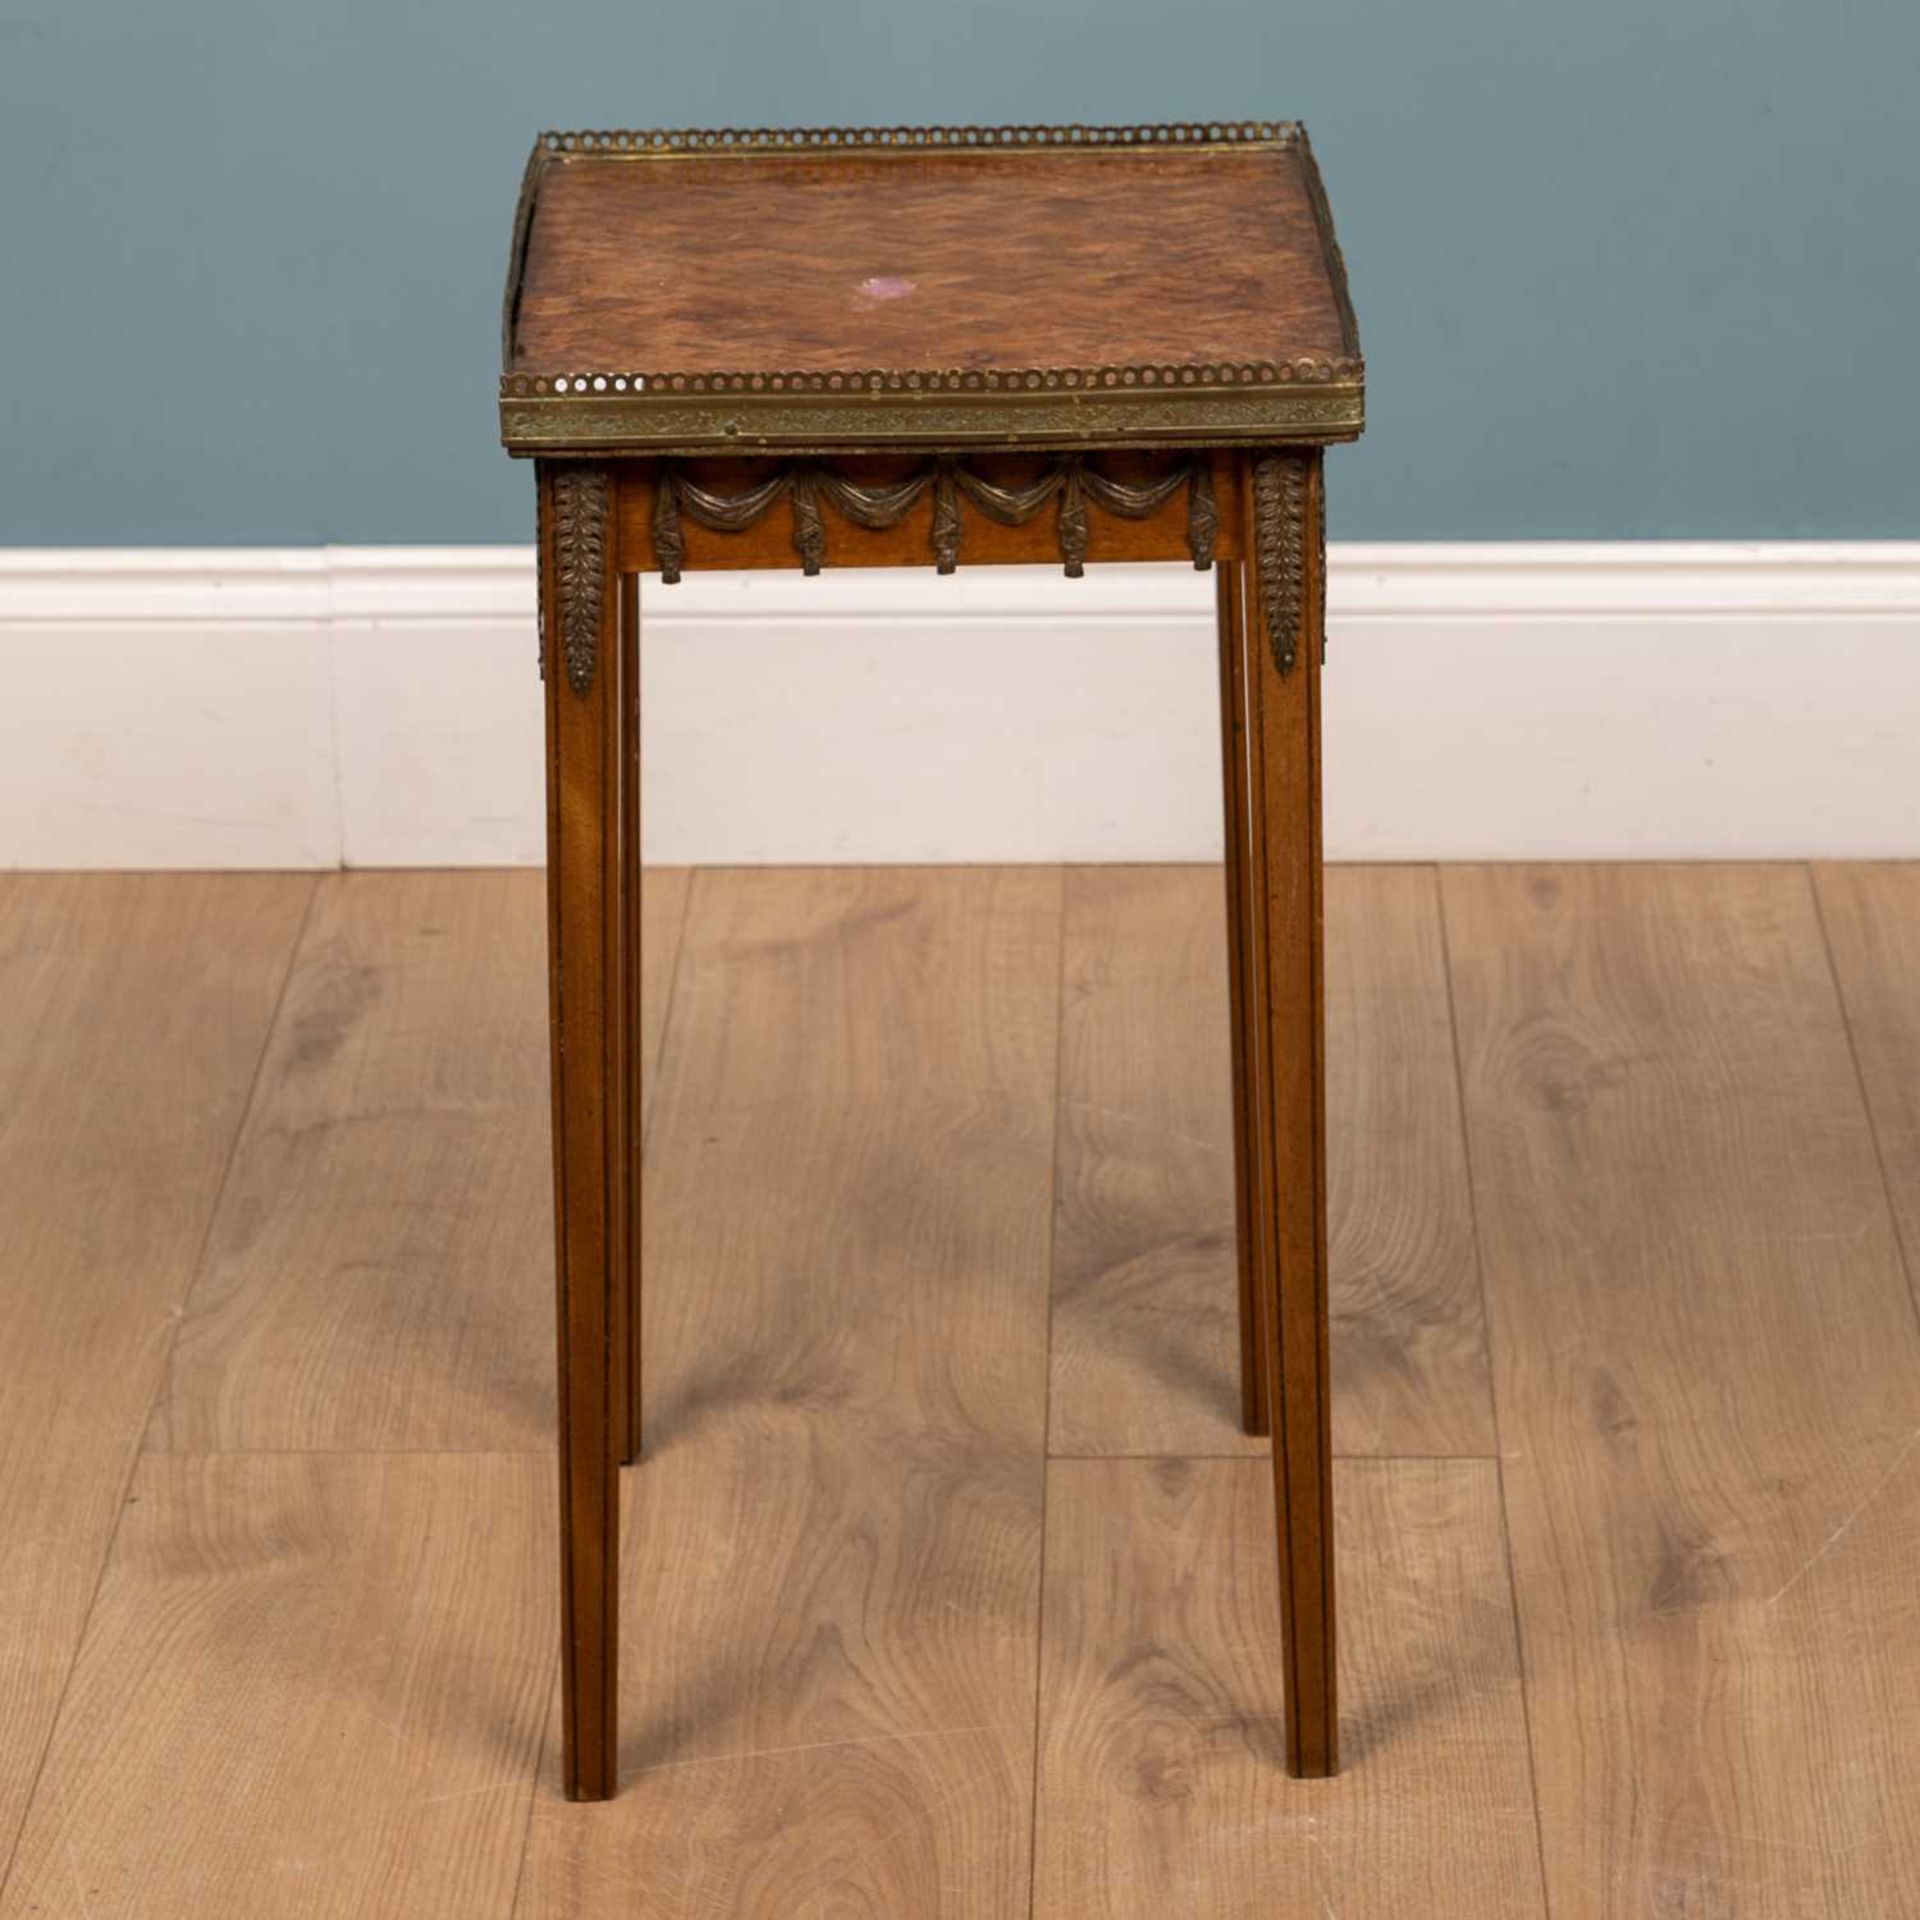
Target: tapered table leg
point(626, 1186)
point(586, 939)
point(1230, 579)
point(1287, 1013)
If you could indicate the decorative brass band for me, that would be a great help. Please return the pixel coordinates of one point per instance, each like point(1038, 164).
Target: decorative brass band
point(1302, 370)
point(1071, 407)
point(1280, 537)
point(886, 505)
point(655, 142)
point(580, 506)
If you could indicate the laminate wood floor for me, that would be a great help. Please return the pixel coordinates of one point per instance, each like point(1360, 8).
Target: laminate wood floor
point(948, 1574)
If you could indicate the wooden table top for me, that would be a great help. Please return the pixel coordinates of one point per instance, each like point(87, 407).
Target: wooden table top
point(828, 290)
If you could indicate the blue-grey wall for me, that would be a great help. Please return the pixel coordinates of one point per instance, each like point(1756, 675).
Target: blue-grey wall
point(1624, 268)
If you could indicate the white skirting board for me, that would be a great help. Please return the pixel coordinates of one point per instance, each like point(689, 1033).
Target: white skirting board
point(379, 707)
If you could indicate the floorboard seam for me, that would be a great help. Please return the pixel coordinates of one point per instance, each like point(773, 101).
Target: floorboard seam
point(1046, 1431)
point(1263, 1457)
point(533, 1789)
point(163, 1373)
point(1860, 1081)
point(646, 1135)
point(1493, 1393)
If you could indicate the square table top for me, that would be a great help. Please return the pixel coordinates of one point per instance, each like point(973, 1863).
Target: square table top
point(926, 287)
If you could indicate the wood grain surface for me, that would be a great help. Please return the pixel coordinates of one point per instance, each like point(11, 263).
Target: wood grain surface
point(832, 1544)
point(1708, 1378)
point(132, 1013)
point(316, 1684)
point(1872, 918)
point(1409, 1342)
point(943, 260)
point(1144, 1343)
point(370, 1280)
point(1145, 1327)
point(1162, 1787)
point(312, 1685)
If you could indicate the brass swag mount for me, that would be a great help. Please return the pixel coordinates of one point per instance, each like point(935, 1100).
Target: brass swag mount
point(876, 508)
point(582, 499)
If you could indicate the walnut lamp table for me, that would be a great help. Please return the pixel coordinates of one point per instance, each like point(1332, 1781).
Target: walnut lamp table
point(958, 346)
